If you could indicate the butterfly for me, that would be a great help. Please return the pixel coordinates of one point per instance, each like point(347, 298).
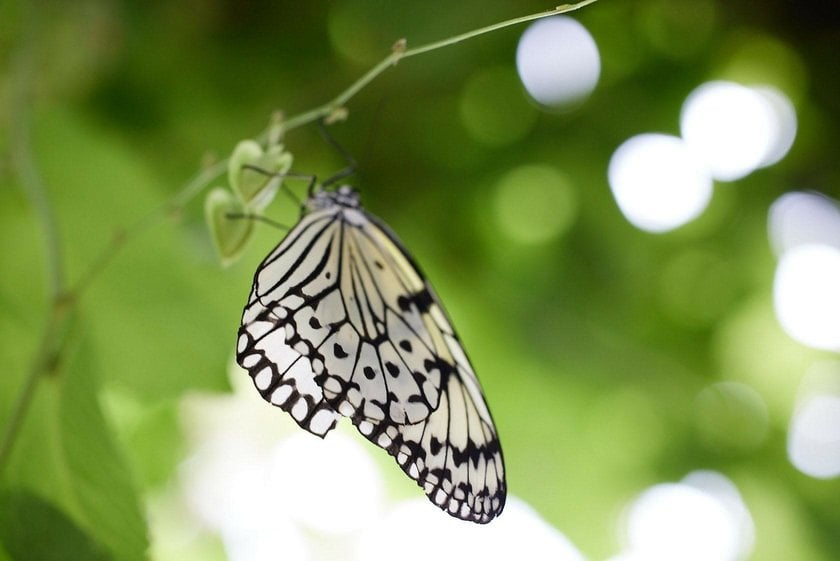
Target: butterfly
point(341, 322)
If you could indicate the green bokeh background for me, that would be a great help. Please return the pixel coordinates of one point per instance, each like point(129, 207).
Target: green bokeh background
point(594, 346)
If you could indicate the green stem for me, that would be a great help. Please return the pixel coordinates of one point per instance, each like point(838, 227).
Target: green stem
point(29, 179)
point(336, 103)
point(565, 8)
point(23, 163)
point(46, 359)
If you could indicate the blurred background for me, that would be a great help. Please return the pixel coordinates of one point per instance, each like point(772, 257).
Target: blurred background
point(629, 216)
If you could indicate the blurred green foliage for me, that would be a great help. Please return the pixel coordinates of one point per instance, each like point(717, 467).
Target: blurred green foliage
point(597, 347)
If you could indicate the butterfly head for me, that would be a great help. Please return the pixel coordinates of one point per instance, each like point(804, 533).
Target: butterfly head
point(344, 196)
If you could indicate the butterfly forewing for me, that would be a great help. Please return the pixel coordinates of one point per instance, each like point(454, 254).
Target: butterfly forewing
point(341, 315)
point(344, 303)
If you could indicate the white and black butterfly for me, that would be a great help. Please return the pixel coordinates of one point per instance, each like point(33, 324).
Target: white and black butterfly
point(341, 322)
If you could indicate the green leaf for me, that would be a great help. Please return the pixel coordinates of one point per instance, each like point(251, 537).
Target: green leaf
point(150, 434)
point(32, 529)
point(246, 152)
point(98, 477)
point(230, 235)
point(162, 315)
point(257, 185)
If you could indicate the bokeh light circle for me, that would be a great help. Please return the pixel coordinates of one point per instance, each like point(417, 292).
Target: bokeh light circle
point(735, 130)
point(702, 518)
point(519, 532)
point(658, 183)
point(814, 437)
point(731, 417)
point(535, 203)
point(806, 295)
point(785, 124)
point(558, 61)
point(800, 218)
point(679, 522)
point(324, 499)
point(493, 109)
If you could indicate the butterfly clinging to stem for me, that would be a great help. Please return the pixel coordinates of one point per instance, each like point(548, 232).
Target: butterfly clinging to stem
point(341, 322)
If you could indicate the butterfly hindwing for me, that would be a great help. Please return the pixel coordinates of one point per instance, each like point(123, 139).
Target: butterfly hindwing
point(454, 455)
point(282, 376)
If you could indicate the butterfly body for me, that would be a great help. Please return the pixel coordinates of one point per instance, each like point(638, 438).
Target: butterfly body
point(341, 322)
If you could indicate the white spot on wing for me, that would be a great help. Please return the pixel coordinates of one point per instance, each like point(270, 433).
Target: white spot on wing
point(346, 409)
point(322, 421)
point(299, 410)
point(250, 360)
point(281, 394)
point(263, 378)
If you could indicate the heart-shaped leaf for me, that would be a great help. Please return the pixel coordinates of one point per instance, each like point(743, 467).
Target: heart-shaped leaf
point(255, 174)
point(230, 227)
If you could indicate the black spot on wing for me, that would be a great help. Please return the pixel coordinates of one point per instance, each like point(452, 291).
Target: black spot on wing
point(422, 300)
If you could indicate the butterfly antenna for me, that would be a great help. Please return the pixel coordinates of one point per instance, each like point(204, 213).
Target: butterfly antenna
point(349, 170)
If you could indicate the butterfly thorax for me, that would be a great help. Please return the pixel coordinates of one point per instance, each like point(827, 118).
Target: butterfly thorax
point(345, 196)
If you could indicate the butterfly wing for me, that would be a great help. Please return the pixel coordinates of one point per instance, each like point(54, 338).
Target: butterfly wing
point(342, 292)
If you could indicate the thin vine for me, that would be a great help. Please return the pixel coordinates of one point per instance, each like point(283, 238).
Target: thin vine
point(63, 298)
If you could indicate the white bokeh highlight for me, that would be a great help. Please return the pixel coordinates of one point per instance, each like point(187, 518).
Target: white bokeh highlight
point(260, 483)
point(558, 61)
point(658, 182)
point(814, 436)
point(813, 440)
point(735, 129)
point(416, 531)
point(724, 490)
point(332, 485)
point(702, 518)
point(271, 491)
point(806, 295)
point(784, 124)
point(801, 218)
